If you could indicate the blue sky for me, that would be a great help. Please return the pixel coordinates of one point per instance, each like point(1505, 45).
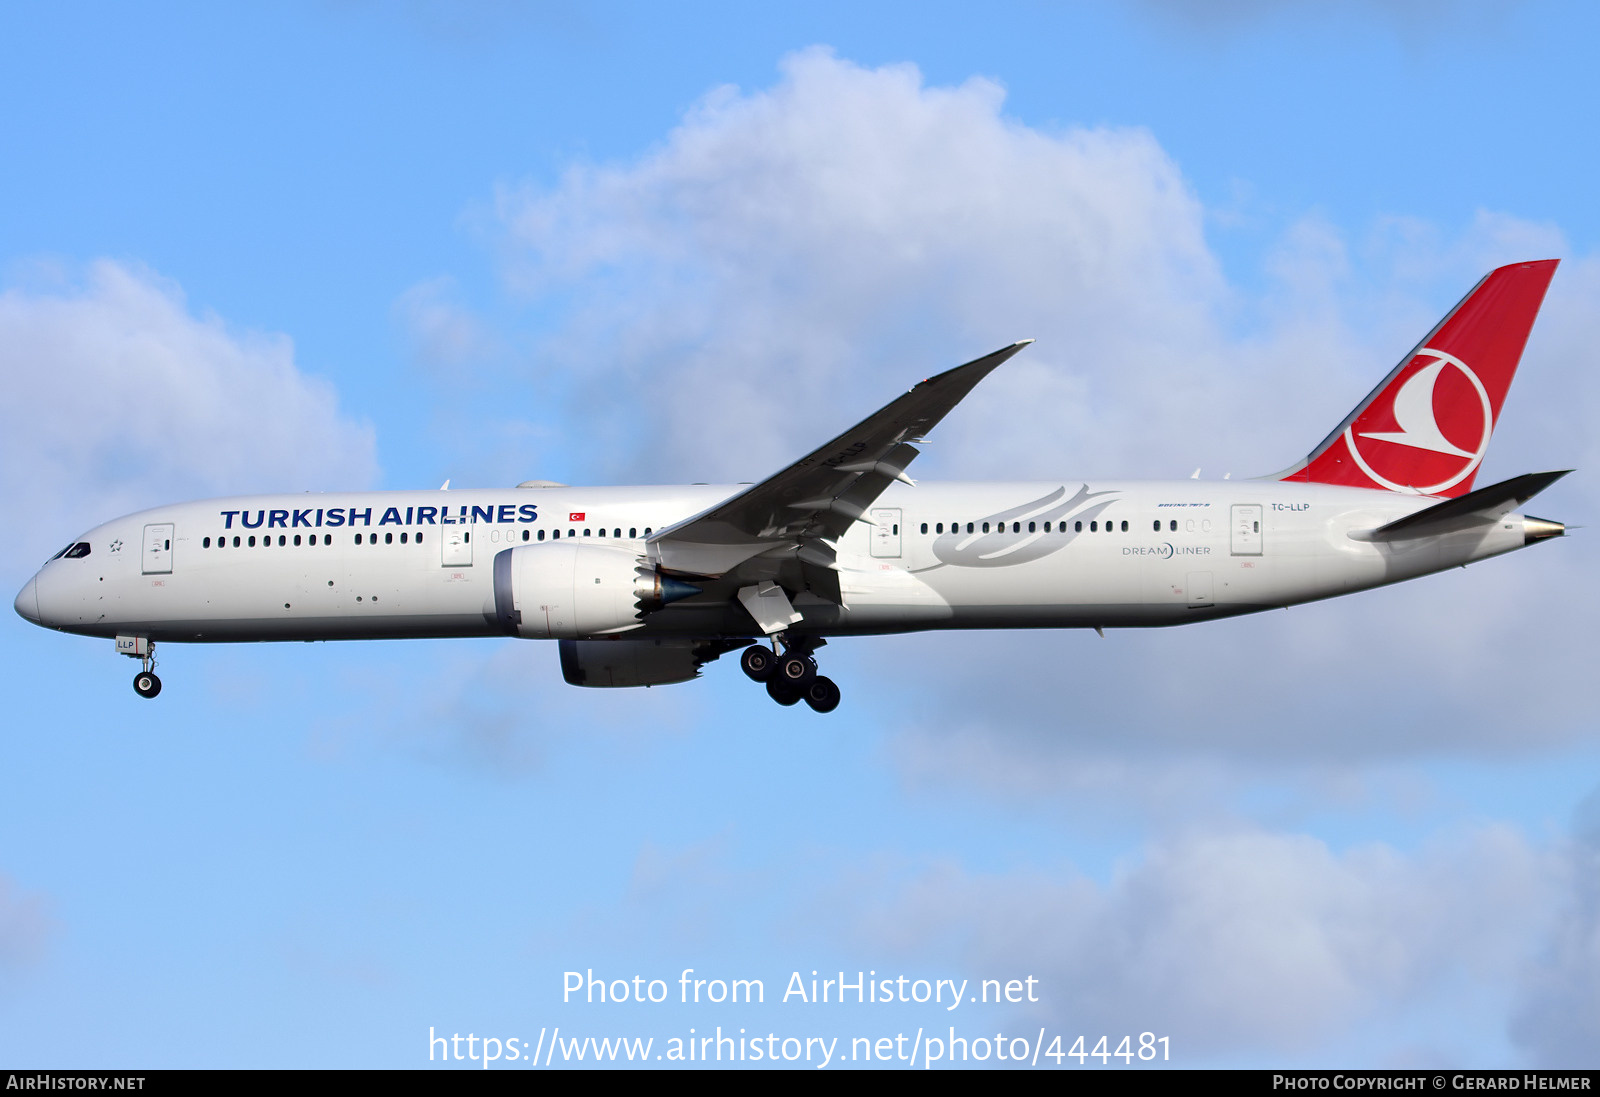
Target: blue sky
point(342, 245)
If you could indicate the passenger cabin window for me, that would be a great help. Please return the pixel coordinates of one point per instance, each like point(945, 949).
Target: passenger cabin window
point(633, 531)
point(1124, 525)
point(358, 538)
point(205, 542)
point(1172, 525)
point(388, 538)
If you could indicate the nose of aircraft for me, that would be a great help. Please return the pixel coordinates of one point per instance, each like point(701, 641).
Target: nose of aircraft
point(27, 603)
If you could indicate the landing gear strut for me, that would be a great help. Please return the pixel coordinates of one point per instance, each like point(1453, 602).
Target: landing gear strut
point(145, 683)
point(792, 676)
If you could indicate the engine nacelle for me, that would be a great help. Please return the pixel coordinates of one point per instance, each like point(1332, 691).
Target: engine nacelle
point(618, 663)
point(573, 589)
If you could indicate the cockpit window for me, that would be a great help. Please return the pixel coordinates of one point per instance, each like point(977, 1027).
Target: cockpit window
point(63, 552)
point(78, 551)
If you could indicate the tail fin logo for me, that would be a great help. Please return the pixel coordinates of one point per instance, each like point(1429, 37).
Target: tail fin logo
point(1414, 412)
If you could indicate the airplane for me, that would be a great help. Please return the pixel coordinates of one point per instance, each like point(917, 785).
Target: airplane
point(643, 586)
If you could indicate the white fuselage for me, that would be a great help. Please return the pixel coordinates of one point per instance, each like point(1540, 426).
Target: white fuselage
point(1038, 555)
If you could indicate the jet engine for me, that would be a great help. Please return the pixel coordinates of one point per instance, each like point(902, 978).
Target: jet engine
point(570, 590)
point(619, 663)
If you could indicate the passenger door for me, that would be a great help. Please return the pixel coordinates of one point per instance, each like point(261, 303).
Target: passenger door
point(886, 531)
point(157, 556)
point(1246, 538)
point(456, 547)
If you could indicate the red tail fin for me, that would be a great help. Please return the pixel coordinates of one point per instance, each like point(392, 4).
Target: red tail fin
point(1425, 428)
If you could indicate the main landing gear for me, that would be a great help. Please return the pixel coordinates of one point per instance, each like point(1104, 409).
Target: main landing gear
point(791, 677)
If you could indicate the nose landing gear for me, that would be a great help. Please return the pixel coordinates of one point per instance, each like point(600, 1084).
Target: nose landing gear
point(792, 676)
point(145, 683)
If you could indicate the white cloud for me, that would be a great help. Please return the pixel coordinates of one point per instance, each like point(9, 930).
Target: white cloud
point(444, 335)
point(1231, 941)
point(789, 259)
point(1558, 1022)
point(792, 258)
point(118, 396)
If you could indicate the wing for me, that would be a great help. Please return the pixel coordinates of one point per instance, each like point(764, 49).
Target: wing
point(797, 513)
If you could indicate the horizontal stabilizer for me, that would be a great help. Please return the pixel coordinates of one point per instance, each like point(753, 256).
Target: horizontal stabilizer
point(1475, 508)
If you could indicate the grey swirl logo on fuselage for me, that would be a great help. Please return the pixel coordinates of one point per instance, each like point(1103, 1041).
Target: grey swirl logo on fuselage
point(1009, 541)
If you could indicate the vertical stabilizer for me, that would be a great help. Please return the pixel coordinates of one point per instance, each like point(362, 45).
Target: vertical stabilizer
point(1426, 427)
